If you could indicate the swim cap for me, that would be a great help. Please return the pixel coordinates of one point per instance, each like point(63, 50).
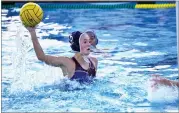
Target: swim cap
point(74, 40)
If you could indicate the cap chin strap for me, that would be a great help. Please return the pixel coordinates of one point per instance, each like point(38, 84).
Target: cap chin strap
point(86, 58)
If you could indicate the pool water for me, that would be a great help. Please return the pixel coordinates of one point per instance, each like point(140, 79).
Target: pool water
point(136, 43)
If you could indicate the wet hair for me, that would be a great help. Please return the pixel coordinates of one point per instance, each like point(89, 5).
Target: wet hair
point(74, 40)
point(91, 33)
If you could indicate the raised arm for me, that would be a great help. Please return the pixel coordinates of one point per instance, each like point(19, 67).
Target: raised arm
point(50, 60)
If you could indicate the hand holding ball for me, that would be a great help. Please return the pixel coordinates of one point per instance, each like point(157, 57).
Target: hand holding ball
point(31, 14)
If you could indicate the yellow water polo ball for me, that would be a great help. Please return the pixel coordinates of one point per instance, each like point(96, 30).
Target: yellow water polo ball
point(31, 14)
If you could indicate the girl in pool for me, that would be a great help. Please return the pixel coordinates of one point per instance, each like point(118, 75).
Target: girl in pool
point(81, 67)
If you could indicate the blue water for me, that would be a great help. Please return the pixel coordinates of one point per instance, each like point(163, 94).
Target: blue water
point(140, 42)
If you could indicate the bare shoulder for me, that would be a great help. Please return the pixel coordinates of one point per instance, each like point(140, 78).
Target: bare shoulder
point(69, 64)
point(95, 61)
point(58, 61)
point(66, 61)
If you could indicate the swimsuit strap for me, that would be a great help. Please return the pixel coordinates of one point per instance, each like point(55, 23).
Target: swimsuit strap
point(91, 70)
point(78, 66)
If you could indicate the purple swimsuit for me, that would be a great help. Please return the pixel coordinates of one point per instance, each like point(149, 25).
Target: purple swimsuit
point(81, 75)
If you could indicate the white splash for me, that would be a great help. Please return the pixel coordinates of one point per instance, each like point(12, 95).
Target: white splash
point(162, 94)
point(140, 44)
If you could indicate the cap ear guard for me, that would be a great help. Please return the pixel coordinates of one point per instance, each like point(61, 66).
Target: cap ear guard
point(74, 40)
point(71, 39)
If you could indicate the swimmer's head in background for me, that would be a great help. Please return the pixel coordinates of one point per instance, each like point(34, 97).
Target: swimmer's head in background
point(74, 40)
point(93, 37)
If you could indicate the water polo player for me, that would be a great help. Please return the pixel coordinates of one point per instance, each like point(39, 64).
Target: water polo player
point(80, 67)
